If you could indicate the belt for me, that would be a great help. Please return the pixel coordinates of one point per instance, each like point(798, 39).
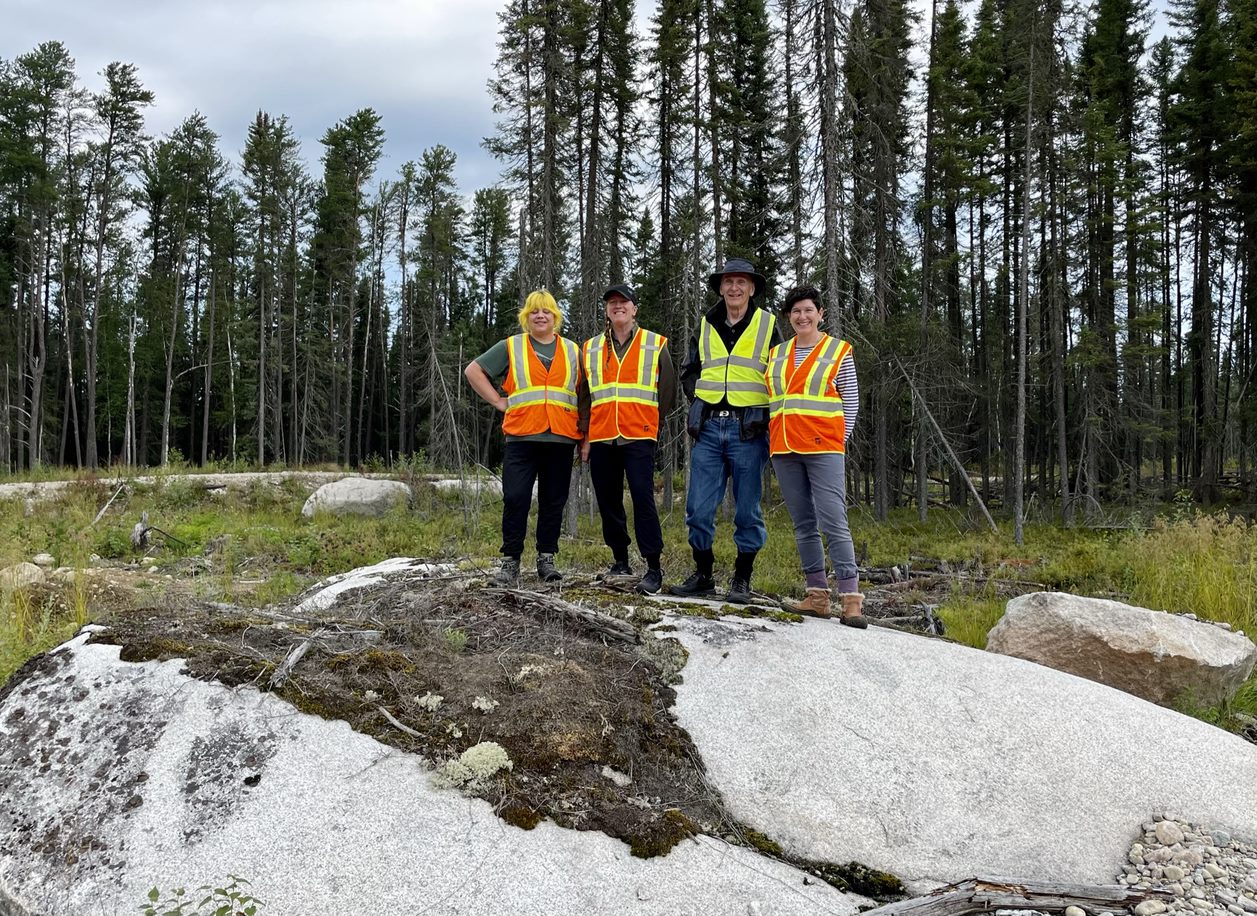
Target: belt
point(723, 412)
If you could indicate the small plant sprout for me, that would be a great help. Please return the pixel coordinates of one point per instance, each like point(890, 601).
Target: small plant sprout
point(232, 899)
point(456, 638)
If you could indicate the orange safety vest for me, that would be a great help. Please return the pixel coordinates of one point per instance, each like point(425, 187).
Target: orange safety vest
point(624, 395)
point(537, 400)
point(805, 410)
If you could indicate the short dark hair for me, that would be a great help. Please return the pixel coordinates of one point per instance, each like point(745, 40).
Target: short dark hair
point(798, 294)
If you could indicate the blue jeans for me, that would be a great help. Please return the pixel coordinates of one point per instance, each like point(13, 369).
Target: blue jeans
point(720, 453)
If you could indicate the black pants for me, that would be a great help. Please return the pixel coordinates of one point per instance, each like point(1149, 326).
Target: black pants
point(549, 465)
point(609, 464)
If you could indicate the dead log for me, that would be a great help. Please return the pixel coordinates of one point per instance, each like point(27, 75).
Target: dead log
point(981, 895)
point(586, 618)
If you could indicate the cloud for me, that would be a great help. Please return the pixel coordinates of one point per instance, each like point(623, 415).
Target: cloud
point(422, 65)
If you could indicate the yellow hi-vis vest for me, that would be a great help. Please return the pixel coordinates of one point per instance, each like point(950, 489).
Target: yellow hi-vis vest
point(738, 376)
point(624, 395)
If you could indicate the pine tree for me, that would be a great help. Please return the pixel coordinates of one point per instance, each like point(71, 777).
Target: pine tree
point(352, 150)
point(1201, 106)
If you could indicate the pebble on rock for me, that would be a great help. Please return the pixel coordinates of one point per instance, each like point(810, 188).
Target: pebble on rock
point(1168, 833)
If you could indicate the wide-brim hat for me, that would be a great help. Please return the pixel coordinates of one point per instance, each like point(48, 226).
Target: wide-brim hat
point(737, 266)
point(622, 289)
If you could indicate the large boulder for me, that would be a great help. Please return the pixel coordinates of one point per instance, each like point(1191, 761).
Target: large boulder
point(932, 761)
point(20, 575)
point(117, 777)
point(938, 762)
point(358, 496)
point(1161, 657)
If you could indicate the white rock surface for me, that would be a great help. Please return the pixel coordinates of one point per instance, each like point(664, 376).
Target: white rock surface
point(323, 595)
point(116, 777)
point(20, 575)
point(358, 496)
point(1153, 655)
point(44, 560)
point(937, 762)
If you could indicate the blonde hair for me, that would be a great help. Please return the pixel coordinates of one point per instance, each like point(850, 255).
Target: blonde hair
point(540, 299)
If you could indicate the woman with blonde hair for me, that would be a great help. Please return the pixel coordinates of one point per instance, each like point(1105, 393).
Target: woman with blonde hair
point(538, 373)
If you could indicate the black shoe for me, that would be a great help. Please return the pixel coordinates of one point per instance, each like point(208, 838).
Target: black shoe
point(507, 575)
point(739, 591)
point(546, 570)
point(698, 585)
point(651, 582)
point(618, 569)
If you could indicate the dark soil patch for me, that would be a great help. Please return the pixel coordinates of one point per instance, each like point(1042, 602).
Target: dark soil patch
point(582, 709)
point(563, 701)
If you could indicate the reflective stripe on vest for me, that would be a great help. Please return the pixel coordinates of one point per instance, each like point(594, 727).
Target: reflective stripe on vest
point(806, 413)
point(738, 376)
point(540, 400)
point(624, 394)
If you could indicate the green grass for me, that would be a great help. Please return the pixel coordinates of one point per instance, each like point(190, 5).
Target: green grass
point(262, 551)
point(968, 618)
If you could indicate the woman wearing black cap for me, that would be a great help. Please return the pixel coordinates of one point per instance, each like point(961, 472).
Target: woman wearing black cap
point(627, 385)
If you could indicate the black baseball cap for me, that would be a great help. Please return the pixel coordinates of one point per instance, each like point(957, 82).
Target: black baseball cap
point(621, 289)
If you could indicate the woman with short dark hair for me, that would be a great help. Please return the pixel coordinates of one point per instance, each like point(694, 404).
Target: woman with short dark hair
point(813, 399)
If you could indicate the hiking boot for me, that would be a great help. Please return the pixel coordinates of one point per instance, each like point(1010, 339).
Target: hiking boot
point(739, 591)
point(507, 575)
point(853, 611)
point(546, 570)
point(618, 569)
point(815, 604)
point(698, 585)
point(651, 583)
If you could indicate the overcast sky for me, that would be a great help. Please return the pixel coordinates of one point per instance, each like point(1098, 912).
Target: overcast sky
point(422, 65)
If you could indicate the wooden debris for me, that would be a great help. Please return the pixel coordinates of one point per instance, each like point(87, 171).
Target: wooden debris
point(399, 726)
point(603, 624)
point(981, 895)
point(139, 534)
point(105, 508)
point(290, 662)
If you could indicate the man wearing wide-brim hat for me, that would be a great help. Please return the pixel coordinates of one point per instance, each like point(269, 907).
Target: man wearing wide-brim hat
point(724, 375)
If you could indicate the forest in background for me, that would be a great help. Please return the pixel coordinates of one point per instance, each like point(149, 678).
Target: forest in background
point(1041, 242)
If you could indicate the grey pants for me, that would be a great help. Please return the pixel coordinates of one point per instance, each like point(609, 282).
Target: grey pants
point(815, 490)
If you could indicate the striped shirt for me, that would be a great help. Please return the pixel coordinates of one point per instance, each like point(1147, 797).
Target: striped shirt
point(845, 384)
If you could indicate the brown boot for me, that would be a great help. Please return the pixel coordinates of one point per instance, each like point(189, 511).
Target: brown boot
point(815, 604)
point(852, 610)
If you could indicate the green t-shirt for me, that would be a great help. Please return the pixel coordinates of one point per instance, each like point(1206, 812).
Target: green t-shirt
point(496, 360)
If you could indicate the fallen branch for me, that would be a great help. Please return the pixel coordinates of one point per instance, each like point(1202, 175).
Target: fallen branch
point(121, 487)
point(960, 468)
point(603, 624)
point(406, 728)
point(290, 662)
point(981, 895)
point(167, 535)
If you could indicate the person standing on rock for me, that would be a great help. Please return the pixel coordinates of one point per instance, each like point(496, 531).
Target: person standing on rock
point(728, 419)
point(627, 385)
point(538, 371)
point(813, 400)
